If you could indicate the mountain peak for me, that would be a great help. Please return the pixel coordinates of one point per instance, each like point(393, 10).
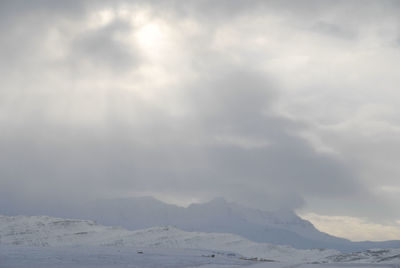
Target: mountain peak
point(282, 227)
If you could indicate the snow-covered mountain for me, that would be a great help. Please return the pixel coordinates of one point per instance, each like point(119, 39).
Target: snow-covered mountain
point(368, 256)
point(43, 231)
point(281, 227)
point(36, 235)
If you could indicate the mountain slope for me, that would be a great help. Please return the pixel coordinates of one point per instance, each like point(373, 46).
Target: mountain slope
point(45, 231)
point(24, 234)
point(282, 227)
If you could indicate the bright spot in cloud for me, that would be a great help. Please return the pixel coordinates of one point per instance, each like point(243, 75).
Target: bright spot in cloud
point(353, 228)
point(150, 38)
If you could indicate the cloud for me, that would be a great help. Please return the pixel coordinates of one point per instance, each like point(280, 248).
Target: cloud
point(355, 229)
point(191, 155)
point(101, 47)
point(226, 99)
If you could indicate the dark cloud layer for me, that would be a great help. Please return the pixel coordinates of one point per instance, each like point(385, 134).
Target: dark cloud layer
point(99, 47)
point(232, 145)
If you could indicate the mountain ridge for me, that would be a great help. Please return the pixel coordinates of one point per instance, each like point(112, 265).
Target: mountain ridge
point(43, 232)
point(281, 227)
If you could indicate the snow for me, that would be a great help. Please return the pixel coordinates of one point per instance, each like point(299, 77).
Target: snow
point(113, 257)
point(369, 256)
point(41, 241)
point(282, 227)
point(47, 231)
point(92, 256)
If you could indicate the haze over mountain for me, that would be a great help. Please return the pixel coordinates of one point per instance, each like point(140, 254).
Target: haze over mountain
point(282, 227)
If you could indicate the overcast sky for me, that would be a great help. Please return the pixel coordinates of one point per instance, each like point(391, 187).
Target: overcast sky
point(268, 103)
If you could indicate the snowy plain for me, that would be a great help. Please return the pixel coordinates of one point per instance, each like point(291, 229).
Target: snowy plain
point(115, 257)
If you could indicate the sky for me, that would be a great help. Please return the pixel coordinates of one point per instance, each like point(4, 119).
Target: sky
point(271, 104)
